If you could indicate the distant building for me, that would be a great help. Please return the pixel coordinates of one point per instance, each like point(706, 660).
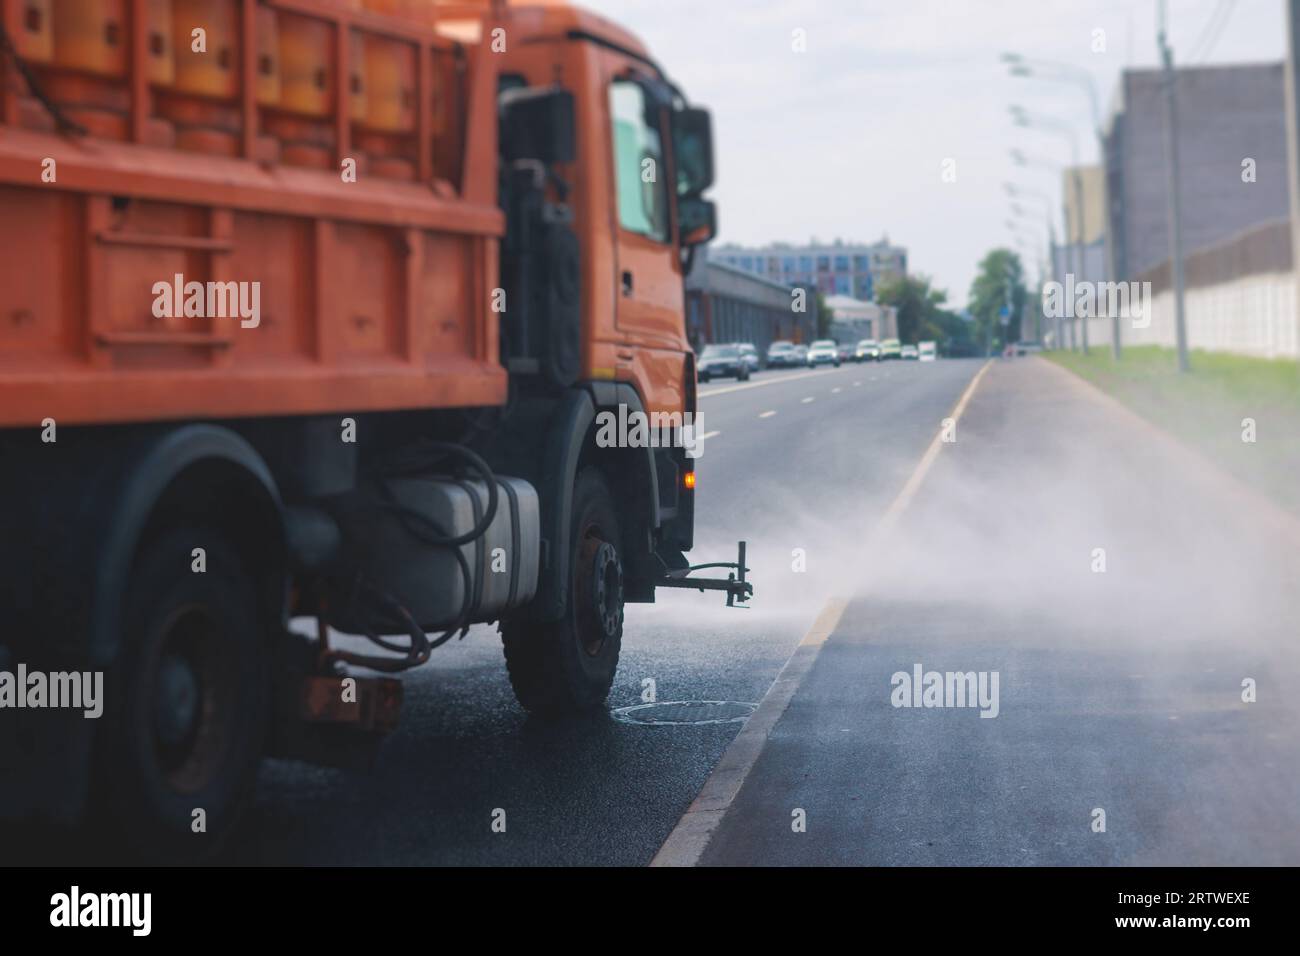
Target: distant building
point(1227, 115)
point(836, 269)
point(1090, 263)
point(726, 304)
point(854, 320)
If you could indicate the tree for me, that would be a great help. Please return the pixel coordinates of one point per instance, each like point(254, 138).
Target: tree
point(825, 316)
point(919, 306)
point(999, 285)
point(956, 335)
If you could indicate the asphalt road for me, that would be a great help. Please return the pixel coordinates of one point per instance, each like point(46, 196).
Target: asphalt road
point(812, 476)
point(1120, 689)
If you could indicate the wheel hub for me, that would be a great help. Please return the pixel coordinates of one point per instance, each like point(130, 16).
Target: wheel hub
point(176, 702)
point(607, 590)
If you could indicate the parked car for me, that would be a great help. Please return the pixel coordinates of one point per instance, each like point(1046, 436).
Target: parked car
point(890, 349)
point(927, 351)
point(1028, 348)
point(823, 352)
point(909, 352)
point(845, 351)
point(750, 355)
point(801, 354)
point(722, 361)
point(782, 355)
point(868, 350)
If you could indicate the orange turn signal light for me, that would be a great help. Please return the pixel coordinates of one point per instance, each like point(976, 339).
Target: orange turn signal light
point(688, 481)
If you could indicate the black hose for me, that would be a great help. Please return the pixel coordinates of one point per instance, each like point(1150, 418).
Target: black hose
point(432, 534)
point(421, 463)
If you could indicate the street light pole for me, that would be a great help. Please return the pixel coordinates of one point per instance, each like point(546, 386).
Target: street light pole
point(1024, 118)
point(1034, 161)
point(1069, 73)
point(1292, 75)
point(1175, 210)
point(1048, 267)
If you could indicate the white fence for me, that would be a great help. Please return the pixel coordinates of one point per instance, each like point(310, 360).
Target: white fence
point(1240, 297)
point(1254, 315)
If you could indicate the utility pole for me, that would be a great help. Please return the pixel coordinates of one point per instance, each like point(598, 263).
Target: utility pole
point(1051, 231)
point(1066, 255)
point(1077, 176)
point(1293, 135)
point(1108, 223)
point(1174, 202)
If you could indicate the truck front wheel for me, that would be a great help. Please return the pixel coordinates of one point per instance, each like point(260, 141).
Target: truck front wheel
point(186, 717)
point(568, 665)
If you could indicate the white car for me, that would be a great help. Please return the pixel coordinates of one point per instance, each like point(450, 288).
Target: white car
point(868, 350)
point(824, 352)
point(909, 352)
point(926, 350)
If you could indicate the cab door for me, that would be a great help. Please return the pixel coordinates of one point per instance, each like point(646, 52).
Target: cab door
point(649, 293)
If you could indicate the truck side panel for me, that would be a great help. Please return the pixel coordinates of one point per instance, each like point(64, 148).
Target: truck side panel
point(371, 291)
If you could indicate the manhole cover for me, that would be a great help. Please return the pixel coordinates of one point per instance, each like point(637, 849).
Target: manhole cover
point(683, 712)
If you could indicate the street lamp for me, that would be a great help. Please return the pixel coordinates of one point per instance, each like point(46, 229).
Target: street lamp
point(1064, 337)
point(1020, 212)
point(1024, 118)
point(1056, 71)
point(1173, 205)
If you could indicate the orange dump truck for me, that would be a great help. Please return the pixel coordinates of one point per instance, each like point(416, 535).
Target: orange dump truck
point(317, 310)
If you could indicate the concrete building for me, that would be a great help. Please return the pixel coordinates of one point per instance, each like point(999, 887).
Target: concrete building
point(1090, 262)
point(849, 269)
point(726, 304)
point(853, 320)
point(1232, 150)
point(1092, 197)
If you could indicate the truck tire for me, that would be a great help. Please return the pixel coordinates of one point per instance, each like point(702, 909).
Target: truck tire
point(567, 666)
point(187, 700)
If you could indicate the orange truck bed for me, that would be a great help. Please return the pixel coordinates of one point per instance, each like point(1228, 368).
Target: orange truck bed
point(184, 238)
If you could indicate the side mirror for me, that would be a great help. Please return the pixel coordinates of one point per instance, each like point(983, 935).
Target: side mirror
point(693, 150)
point(697, 220)
point(537, 123)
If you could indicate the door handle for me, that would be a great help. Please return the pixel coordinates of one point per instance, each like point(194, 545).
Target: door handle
point(627, 283)
point(625, 355)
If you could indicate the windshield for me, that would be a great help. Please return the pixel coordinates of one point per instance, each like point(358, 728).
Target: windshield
point(781, 347)
point(720, 351)
point(824, 344)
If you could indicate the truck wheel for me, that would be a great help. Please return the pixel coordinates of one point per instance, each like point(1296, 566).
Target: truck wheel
point(568, 665)
point(187, 700)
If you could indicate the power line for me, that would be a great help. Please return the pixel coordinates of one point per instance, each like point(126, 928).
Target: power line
point(1207, 30)
point(1209, 38)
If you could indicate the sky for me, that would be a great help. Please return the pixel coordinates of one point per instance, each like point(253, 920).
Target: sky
point(849, 137)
